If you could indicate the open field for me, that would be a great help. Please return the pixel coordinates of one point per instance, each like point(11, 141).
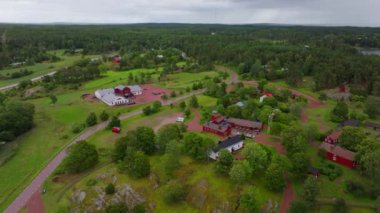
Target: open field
point(41, 68)
point(179, 81)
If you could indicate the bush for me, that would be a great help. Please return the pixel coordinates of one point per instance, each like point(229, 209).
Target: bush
point(115, 122)
point(91, 119)
point(340, 205)
point(173, 192)
point(355, 188)
point(110, 189)
point(91, 182)
point(117, 208)
point(81, 157)
point(139, 208)
point(77, 128)
point(103, 116)
point(330, 170)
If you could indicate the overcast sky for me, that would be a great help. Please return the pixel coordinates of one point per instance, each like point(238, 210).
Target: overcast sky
point(315, 12)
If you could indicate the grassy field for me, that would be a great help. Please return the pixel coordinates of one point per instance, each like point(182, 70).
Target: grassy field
point(179, 81)
point(41, 68)
point(52, 131)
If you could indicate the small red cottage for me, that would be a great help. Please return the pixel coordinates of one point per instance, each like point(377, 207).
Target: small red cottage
point(333, 138)
point(339, 155)
point(342, 88)
point(116, 60)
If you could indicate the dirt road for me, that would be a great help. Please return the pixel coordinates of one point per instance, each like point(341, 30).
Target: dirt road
point(11, 86)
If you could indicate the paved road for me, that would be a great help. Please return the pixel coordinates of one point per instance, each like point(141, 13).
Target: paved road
point(37, 182)
point(33, 79)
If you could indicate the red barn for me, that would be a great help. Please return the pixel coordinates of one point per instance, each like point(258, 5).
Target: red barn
point(339, 155)
point(123, 91)
point(223, 130)
point(245, 124)
point(217, 118)
point(333, 138)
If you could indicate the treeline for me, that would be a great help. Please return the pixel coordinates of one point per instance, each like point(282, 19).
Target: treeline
point(15, 118)
point(271, 52)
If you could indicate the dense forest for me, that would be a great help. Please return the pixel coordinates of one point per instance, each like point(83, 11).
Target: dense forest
point(331, 55)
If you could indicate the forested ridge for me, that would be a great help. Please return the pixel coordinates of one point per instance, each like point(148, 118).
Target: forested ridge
point(330, 54)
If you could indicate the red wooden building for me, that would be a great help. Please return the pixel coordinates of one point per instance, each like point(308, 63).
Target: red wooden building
point(333, 138)
point(245, 124)
point(339, 155)
point(218, 126)
point(123, 91)
point(116, 60)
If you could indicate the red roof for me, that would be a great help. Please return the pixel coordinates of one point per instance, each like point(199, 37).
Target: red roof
point(268, 94)
point(339, 151)
point(334, 135)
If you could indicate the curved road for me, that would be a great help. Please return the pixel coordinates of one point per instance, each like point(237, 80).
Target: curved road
point(37, 182)
point(33, 80)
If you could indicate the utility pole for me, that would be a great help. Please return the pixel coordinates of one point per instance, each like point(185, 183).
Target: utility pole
point(270, 118)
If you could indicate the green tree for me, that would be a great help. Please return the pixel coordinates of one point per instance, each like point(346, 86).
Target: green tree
point(340, 112)
point(194, 102)
point(169, 133)
point(173, 192)
point(372, 107)
point(371, 165)
point(136, 164)
point(300, 164)
point(103, 116)
point(224, 162)
point(275, 176)
point(147, 110)
point(299, 206)
point(257, 156)
point(240, 172)
point(110, 189)
point(351, 138)
point(120, 149)
point(53, 99)
point(115, 122)
point(81, 156)
point(91, 119)
point(249, 199)
point(310, 190)
point(156, 106)
point(197, 147)
point(340, 205)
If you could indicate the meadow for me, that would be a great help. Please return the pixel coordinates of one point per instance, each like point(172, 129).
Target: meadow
point(41, 68)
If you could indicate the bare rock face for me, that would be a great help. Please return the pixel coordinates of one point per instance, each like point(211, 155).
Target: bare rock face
point(126, 194)
point(199, 194)
point(78, 197)
point(114, 179)
point(154, 180)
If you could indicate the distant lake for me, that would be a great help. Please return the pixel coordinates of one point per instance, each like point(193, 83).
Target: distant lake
point(370, 52)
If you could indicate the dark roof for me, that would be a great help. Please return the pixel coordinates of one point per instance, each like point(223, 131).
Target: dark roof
point(313, 170)
point(372, 124)
point(339, 151)
point(245, 123)
point(230, 141)
point(222, 127)
point(351, 122)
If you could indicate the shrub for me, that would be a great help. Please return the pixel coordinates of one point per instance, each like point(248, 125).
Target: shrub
point(91, 119)
point(91, 182)
point(110, 189)
point(117, 208)
point(173, 192)
point(82, 156)
point(77, 128)
point(355, 188)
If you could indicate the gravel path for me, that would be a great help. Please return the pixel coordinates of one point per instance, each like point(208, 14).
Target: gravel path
point(33, 79)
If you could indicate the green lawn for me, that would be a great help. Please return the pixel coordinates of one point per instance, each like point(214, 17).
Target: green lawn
point(179, 81)
point(41, 68)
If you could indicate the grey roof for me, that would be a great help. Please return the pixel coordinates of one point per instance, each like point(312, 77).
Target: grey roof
point(135, 88)
point(120, 87)
point(108, 95)
point(222, 127)
point(351, 122)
